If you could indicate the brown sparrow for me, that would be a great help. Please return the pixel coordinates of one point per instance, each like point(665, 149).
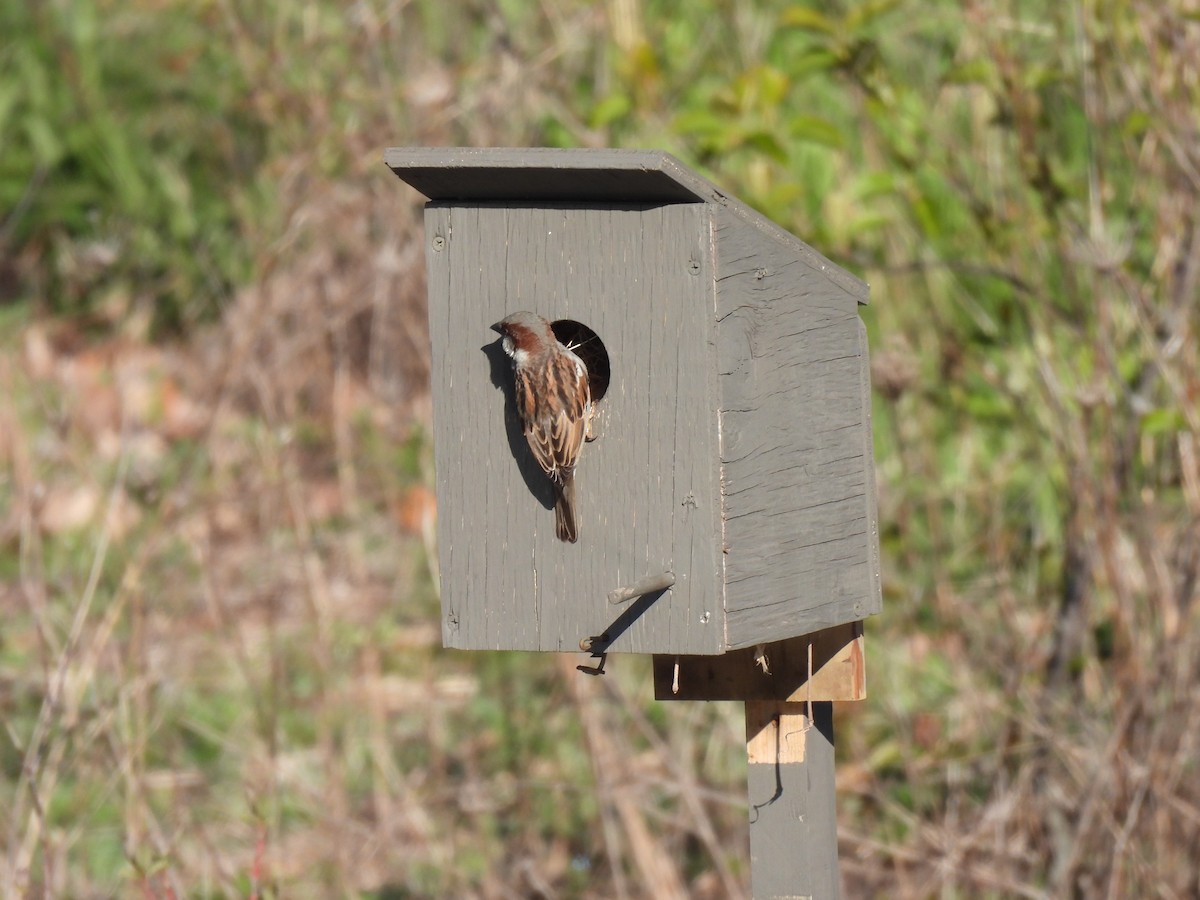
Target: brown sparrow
point(554, 404)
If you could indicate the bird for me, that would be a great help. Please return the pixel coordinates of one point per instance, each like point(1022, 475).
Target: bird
point(554, 404)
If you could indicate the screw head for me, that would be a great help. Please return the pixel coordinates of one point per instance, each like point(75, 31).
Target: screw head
point(439, 242)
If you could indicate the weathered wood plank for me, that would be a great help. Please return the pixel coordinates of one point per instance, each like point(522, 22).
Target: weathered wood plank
point(647, 488)
point(796, 463)
point(838, 670)
point(741, 400)
point(793, 808)
point(583, 176)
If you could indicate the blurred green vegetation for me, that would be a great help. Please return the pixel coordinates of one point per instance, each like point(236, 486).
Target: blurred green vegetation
point(1018, 181)
point(132, 156)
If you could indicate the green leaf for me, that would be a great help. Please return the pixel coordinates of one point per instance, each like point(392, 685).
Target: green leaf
point(817, 130)
point(984, 404)
point(770, 84)
point(1136, 123)
point(925, 215)
point(866, 223)
point(972, 71)
point(767, 143)
point(886, 755)
point(808, 19)
point(610, 109)
point(180, 211)
point(864, 14)
point(8, 100)
point(47, 149)
point(818, 59)
point(700, 122)
point(871, 185)
point(556, 134)
point(1162, 421)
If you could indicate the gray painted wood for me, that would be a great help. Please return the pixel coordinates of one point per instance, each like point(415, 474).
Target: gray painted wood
point(796, 464)
point(740, 403)
point(641, 277)
point(793, 819)
point(868, 443)
point(587, 175)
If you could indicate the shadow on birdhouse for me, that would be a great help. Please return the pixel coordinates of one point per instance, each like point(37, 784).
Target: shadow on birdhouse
point(502, 379)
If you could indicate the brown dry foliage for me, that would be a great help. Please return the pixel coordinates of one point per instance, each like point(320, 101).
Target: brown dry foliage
point(246, 660)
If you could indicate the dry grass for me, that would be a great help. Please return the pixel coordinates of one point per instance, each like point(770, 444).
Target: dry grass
point(223, 582)
point(220, 673)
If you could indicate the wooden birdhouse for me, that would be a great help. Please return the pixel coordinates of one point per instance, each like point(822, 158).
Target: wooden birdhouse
point(727, 499)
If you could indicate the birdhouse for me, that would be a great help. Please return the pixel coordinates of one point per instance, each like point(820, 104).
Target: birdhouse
point(726, 499)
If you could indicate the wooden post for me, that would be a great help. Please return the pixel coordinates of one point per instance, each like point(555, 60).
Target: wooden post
point(788, 687)
point(793, 809)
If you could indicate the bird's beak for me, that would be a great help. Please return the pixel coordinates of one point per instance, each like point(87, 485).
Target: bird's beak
point(498, 328)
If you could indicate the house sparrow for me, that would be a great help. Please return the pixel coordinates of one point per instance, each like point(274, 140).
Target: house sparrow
point(554, 404)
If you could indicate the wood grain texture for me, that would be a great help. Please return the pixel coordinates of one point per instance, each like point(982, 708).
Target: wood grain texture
point(740, 403)
point(793, 808)
point(796, 462)
point(641, 277)
point(588, 175)
point(838, 670)
point(775, 732)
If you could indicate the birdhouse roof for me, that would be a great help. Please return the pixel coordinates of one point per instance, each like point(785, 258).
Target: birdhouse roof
point(490, 175)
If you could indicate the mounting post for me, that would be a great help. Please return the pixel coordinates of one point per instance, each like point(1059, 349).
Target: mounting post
point(793, 810)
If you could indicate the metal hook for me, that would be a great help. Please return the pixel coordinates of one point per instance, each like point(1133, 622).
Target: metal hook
point(585, 644)
point(597, 669)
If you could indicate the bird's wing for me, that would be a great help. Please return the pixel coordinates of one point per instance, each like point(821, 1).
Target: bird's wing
point(556, 435)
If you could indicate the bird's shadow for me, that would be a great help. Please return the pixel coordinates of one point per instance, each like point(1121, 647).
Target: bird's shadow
point(502, 378)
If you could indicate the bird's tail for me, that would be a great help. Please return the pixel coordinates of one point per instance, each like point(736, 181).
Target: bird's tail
point(566, 525)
